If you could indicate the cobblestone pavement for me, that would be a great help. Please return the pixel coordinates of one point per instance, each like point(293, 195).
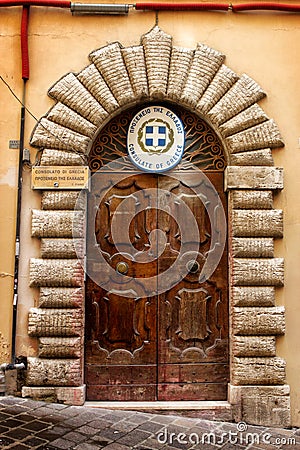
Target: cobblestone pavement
point(29, 424)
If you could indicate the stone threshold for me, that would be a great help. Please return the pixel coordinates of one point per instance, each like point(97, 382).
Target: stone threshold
point(211, 410)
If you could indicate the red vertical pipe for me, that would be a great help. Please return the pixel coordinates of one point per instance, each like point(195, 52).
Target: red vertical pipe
point(24, 42)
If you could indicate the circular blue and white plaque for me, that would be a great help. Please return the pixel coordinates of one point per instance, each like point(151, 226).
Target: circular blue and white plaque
point(155, 139)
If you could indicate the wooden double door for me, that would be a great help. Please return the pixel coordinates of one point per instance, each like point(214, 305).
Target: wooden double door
point(156, 327)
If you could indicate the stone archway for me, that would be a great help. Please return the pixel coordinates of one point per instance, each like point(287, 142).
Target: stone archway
point(198, 80)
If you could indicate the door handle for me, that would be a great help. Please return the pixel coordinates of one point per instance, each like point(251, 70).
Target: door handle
point(122, 267)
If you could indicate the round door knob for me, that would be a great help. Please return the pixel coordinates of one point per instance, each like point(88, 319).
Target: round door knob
point(192, 266)
point(122, 267)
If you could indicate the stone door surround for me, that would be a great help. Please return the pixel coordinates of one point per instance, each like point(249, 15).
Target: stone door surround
point(117, 78)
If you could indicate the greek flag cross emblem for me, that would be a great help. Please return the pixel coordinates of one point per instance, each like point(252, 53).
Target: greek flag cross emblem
point(155, 139)
point(155, 135)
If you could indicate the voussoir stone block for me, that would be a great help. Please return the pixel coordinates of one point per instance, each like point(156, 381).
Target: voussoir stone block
point(179, 66)
point(263, 135)
point(157, 47)
point(252, 116)
point(68, 118)
point(258, 371)
point(258, 320)
point(55, 322)
point(56, 272)
point(110, 63)
point(258, 272)
point(244, 93)
point(71, 92)
point(221, 83)
point(92, 80)
point(48, 134)
point(135, 62)
point(257, 223)
point(270, 178)
point(205, 64)
point(53, 372)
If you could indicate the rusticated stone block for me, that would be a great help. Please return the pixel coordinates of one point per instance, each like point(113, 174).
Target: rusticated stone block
point(254, 158)
point(56, 272)
point(61, 297)
point(55, 322)
point(94, 83)
point(62, 248)
point(48, 134)
point(258, 272)
point(253, 247)
point(52, 157)
point(261, 136)
point(179, 66)
point(258, 321)
point(64, 200)
point(254, 346)
point(110, 63)
point(68, 118)
point(64, 224)
point(135, 62)
point(157, 47)
point(252, 116)
point(244, 93)
point(60, 347)
point(266, 406)
point(257, 223)
point(53, 372)
point(253, 296)
point(205, 64)
point(261, 405)
point(222, 82)
point(71, 92)
point(258, 371)
point(253, 178)
point(66, 395)
point(246, 199)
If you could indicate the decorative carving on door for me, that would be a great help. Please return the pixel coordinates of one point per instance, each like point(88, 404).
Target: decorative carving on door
point(179, 336)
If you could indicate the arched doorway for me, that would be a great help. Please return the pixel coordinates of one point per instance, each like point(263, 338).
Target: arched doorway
point(165, 337)
point(198, 79)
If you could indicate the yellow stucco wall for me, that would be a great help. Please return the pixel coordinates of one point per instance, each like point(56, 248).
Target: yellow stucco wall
point(263, 45)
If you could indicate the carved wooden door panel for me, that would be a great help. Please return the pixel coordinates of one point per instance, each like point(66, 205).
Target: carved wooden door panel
point(121, 350)
point(164, 335)
point(193, 314)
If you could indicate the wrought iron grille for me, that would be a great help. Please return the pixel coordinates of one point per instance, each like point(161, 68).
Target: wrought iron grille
point(203, 148)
